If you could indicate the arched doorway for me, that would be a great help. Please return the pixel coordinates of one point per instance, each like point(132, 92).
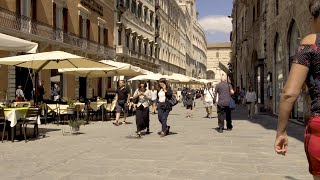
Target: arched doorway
point(278, 64)
point(293, 43)
point(211, 75)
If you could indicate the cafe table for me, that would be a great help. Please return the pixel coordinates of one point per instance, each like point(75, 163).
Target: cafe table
point(14, 114)
point(97, 105)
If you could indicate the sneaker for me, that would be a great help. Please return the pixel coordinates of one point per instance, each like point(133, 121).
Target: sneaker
point(124, 123)
point(162, 134)
point(148, 131)
point(220, 130)
point(229, 129)
point(115, 123)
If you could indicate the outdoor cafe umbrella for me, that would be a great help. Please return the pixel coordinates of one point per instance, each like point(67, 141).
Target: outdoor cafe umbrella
point(10, 43)
point(151, 76)
point(50, 60)
point(87, 72)
point(124, 69)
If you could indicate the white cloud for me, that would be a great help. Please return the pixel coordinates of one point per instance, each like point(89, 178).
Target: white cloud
point(214, 24)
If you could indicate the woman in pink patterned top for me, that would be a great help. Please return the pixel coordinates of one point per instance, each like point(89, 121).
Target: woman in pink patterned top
point(305, 69)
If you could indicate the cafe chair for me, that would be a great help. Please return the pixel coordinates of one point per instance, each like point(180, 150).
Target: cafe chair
point(32, 119)
point(3, 122)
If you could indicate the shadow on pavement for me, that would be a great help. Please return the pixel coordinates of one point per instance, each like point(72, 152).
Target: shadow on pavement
point(268, 122)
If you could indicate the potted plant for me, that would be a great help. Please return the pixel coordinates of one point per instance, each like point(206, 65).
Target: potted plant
point(71, 107)
point(75, 125)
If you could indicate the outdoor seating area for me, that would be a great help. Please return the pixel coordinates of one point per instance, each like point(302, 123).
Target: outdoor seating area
point(24, 116)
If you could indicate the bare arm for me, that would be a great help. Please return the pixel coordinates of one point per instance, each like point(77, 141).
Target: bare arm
point(290, 93)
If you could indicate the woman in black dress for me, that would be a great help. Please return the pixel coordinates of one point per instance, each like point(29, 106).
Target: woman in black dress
point(141, 97)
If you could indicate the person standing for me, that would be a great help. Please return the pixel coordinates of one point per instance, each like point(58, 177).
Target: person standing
point(56, 92)
point(189, 103)
point(41, 92)
point(208, 99)
point(19, 94)
point(154, 95)
point(224, 91)
point(142, 96)
point(123, 99)
point(251, 98)
point(242, 96)
point(165, 93)
point(305, 69)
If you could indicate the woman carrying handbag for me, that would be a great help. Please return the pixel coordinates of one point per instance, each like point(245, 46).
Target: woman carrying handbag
point(141, 97)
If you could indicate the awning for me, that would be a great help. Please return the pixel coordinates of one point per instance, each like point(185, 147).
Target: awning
point(10, 43)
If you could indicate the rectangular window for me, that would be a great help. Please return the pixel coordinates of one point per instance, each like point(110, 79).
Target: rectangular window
point(134, 43)
point(128, 3)
point(145, 15)
point(88, 29)
point(65, 19)
point(106, 38)
point(254, 15)
point(99, 35)
point(119, 37)
point(80, 27)
point(18, 7)
point(258, 8)
point(151, 18)
point(33, 9)
point(277, 7)
point(54, 16)
point(139, 44)
point(145, 48)
point(151, 51)
point(140, 10)
point(127, 40)
point(109, 82)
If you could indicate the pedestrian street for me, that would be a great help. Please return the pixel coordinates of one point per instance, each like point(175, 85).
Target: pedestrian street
point(193, 150)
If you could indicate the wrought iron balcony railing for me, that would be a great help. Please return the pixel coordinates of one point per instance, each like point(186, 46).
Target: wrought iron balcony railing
point(26, 25)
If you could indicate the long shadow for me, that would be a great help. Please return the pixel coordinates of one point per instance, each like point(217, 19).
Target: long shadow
point(268, 122)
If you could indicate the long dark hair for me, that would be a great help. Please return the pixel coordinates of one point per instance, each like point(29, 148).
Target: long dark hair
point(251, 89)
point(144, 83)
point(164, 81)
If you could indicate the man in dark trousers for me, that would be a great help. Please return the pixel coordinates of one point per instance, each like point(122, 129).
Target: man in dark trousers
point(123, 99)
point(224, 91)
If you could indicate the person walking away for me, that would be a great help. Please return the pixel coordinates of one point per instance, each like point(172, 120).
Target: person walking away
point(305, 68)
point(154, 96)
point(19, 94)
point(189, 103)
point(56, 92)
point(164, 108)
point(123, 99)
point(142, 96)
point(184, 93)
point(251, 98)
point(208, 99)
point(224, 91)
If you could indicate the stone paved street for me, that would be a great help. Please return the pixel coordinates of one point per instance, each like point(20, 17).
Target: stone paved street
point(195, 150)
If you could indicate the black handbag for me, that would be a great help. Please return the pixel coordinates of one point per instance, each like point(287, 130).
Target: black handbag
point(173, 101)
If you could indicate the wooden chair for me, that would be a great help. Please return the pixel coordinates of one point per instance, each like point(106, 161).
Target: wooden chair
point(31, 118)
point(3, 122)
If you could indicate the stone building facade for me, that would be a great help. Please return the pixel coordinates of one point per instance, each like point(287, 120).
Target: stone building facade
point(74, 26)
point(265, 37)
point(219, 56)
point(181, 39)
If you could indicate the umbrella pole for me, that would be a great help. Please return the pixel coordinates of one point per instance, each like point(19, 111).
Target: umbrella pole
point(36, 79)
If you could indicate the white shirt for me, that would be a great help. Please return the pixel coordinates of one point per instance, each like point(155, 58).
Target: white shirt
point(162, 96)
point(208, 95)
point(153, 95)
point(251, 96)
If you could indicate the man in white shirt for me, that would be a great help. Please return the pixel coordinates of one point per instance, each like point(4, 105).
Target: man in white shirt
point(208, 94)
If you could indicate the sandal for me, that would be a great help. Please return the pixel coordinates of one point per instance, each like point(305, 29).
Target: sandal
point(115, 123)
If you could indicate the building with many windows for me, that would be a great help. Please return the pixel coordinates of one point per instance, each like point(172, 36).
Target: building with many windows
point(82, 27)
point(136, 25)
point(265, 37)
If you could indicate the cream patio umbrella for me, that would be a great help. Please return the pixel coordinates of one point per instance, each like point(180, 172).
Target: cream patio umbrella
point(151, 76)
point(51, 60)
point(124, 69)
point(10, 43)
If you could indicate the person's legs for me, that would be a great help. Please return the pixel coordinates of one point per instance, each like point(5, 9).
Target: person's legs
point(228, 117)
point(118, 111)
point(221, 117)
point(160, 116)
point(139, 117)
point(248, 107)
point(125, 112)
point(207, 110)
point(210, 111)
point(251, 110)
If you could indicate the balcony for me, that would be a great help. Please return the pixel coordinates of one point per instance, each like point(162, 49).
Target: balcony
point(39, 31)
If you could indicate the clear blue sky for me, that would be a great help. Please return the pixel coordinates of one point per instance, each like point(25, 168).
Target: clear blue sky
point(213, 17)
